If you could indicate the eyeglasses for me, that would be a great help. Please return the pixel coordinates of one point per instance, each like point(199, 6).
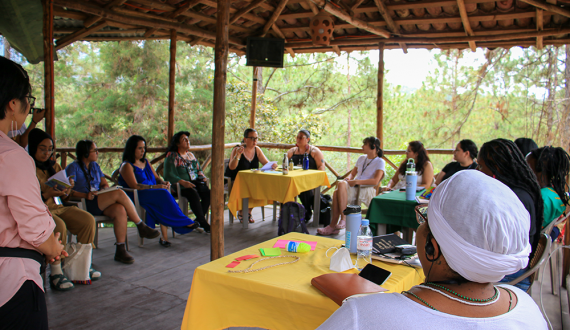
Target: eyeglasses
point(252, 138)
point(94, 150)
point(46, 150)
point(31, 100)
point(421, 213)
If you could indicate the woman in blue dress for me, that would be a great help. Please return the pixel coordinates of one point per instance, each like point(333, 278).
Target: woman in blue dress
point(154, 193)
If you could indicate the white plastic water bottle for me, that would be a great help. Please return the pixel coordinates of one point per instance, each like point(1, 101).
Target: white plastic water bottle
point(363, 245)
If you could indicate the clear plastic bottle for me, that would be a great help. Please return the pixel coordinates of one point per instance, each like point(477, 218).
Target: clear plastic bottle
point(285, 165)
point(363, 245)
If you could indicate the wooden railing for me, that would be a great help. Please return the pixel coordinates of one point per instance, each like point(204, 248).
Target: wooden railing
point(64, 153)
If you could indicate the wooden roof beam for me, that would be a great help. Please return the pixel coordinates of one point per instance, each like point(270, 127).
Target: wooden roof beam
point(389, 21)
point(152, 23)
point(328, 7)
point(94, 19)
point(274, 17)
point(466, 24)
point(539, 27)
point(254, 4)
point(549, 7)
point(314, 8)
point(78, 35)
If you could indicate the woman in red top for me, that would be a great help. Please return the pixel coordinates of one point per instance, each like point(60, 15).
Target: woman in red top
point(26, 226)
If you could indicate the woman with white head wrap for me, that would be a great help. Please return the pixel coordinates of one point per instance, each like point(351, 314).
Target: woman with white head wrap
point(473, 237)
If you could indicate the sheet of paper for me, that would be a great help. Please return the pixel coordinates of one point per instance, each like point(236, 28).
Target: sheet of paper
point(268, 166)
point(251, 256)
point(270, 252)
point(281, 243)
point(233, 264)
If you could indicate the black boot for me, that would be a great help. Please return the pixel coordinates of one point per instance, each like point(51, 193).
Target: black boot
point(121, 254)
point(147, 232)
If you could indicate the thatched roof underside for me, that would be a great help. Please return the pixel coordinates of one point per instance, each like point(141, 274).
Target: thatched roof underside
point(359, 24)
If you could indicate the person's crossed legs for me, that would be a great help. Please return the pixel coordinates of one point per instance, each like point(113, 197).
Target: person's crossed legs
point(339, 203)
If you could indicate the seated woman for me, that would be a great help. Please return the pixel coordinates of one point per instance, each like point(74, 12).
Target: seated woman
point(464, 155)
point(89, 179)
point(181, 166)
point(418, 152)
point(369, 170)
point(77, 221)
point(502, 160)
point(316, 162)
point(551, 167)
point(154, 193)
point(473, 236)
point(244, 157)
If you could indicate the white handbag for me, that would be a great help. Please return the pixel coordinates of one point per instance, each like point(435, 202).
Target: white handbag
point(76, 266)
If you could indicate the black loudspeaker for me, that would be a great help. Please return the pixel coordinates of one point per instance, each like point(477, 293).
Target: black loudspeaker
point(267, 52)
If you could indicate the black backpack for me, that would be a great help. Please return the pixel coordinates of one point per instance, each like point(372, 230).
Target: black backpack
point(326, 211)
point(292, 218)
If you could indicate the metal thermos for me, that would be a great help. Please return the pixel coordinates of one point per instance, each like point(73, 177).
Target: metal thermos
point(285, 164)
point(353, 220)
point(411, 180)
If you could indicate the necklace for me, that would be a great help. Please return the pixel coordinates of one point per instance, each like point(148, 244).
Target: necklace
point(364, 165)
point(464, 297)
point(420, 299)
point(497, 293)
point(249, 270)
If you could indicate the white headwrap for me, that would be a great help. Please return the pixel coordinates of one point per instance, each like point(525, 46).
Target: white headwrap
point(481, 226)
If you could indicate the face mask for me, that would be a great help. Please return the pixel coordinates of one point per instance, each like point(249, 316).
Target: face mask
point(340, 260)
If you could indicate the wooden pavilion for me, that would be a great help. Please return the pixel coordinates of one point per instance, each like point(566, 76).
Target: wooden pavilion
point(358, 25)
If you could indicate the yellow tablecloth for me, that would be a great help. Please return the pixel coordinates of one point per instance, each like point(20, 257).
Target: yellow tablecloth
point(264, 188)
point(276, 298)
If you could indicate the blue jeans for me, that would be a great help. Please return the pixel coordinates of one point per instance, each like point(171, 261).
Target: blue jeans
point(523, 285)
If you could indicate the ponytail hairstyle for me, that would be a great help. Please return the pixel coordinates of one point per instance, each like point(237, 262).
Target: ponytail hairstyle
point(468, 145)
point(554, 165)
point(423, 158)
point(82, 149)
point(246, 133)
point(374, 143)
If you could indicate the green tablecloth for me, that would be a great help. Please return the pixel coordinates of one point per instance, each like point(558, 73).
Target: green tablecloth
point(393, 209)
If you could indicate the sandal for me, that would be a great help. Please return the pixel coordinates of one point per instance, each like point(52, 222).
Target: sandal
point(59, 280)
point(240, 217)
point(94, 274)
point(251, 219)
point(327, 231)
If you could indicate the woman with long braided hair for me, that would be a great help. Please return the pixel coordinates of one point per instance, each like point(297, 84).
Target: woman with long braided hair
point(551, 167)
point(502, 160)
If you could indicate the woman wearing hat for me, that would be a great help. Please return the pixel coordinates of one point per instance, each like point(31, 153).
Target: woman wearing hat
point(463, 251)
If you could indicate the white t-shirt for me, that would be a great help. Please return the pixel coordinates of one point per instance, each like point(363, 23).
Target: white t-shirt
point(370, 167)
point(395, 311)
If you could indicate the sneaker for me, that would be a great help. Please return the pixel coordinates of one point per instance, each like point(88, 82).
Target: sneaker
point(327, 231)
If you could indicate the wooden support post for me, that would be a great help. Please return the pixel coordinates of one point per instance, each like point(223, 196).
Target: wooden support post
point(171, 85)
point(253, 98)
point(218, 128)
point(48, 66)
point(539, 27)
point(380, 97)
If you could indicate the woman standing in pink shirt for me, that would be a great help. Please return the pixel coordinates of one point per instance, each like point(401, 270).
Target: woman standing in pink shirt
point(26, 226)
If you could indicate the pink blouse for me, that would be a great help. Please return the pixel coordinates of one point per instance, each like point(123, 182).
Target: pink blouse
point(25, 221)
